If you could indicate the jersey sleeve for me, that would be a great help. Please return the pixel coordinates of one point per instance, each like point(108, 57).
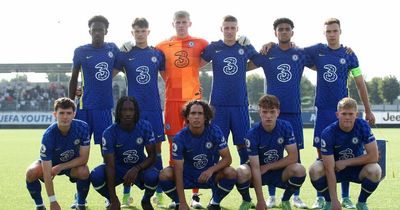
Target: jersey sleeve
point(46, 150)
point(258, 59)
point(251, 51)
point(312, 51)
point(119, 61)
point(289, 135)
point(76, 60)
point(161, 59)
point(219, 138)
point(177, 147)
point(148, 133)
point(326, 142)
point(251, 143)
point(108, 141)
point(207, 54)
point(367, 134)
point(85, 134)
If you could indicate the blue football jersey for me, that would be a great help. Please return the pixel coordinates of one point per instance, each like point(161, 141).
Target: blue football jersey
point(96, 65)
point(59, 148)
point(346, 145)
point(198, 152)
point(128, 146)
point(269, 146)
point(283, 70)
point(333, 68)
point(141, 68)
point(229, 65)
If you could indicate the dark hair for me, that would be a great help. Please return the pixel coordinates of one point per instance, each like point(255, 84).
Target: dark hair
point(118, 109)
point(208, 112)
point(98, 18)
point(64, 103)
point(269, 102)
point(283, 20)
point(140, 22)
point(229, 18)
point(330, 21)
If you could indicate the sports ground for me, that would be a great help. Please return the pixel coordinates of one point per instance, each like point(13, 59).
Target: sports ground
point(20, 147)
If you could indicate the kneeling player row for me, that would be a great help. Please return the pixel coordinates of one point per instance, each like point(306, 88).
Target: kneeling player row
point(202, 158)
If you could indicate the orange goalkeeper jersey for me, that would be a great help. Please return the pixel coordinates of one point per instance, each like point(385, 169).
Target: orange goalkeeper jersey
point(182, 63)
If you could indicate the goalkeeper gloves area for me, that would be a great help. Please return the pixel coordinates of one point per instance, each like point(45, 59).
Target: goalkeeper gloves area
point(243, 40)
point(126, 47)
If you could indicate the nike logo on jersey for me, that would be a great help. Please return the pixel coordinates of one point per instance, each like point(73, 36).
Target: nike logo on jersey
point(337, 146)
point(218, 51)
point(320, 55)
point(119, 145)
point(131, 59)
point(271, 58)
point(171, 44)
point(89, 56)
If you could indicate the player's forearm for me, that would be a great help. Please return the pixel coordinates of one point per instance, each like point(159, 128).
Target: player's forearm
point(282, 163)
point(79, 161)
point(150, 160)
point(362, 160)
point(331, 179)
point(363, 93)
point(225, 161)
point(73, 83)
point(110, 172)
point(256, 178)
point(47, 178)
point(178, 169)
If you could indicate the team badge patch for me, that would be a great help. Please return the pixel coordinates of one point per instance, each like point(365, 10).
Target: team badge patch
point(295, 57)
point(43, 149)
point(209, 145)
point(316, 139)
point(247, 142)
point(323, 143)
point(280, 140)
point(241, 51)
point(154, 59)
point(77, 141)
point(355, 140)
point(139, 140)
point(110, 54)
point(191, 44)
point(174, 147)
point(342, 61)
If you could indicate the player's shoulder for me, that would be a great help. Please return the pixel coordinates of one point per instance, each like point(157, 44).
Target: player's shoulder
point(284, 124)
point(144, 124)
point(51, 129)
point(79, 124)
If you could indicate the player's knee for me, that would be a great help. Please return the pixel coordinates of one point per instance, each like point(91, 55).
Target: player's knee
point(81, 172)
point(298, 170)
point(316, 170)
point(166, 174)
point(243, 173)
point(230, 173)
point(373, 172)
point(33, 173)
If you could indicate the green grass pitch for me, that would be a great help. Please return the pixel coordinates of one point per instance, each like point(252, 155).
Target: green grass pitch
point(20, 147)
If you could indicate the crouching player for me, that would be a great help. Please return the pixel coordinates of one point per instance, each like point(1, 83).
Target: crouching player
point(123, 147)
point(64, 151)
point(349, 153)
point(266, 143)
point(196, 152)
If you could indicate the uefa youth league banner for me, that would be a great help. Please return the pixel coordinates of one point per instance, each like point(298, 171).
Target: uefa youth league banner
point(26, 118)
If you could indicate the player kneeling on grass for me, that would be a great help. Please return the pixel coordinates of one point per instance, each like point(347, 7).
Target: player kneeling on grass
point(196, 152)
point(123, 147)
point(349, 153)
point(64, 151)
point(266, 143)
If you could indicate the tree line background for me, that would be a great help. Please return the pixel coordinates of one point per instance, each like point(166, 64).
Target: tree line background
point(381, 90)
